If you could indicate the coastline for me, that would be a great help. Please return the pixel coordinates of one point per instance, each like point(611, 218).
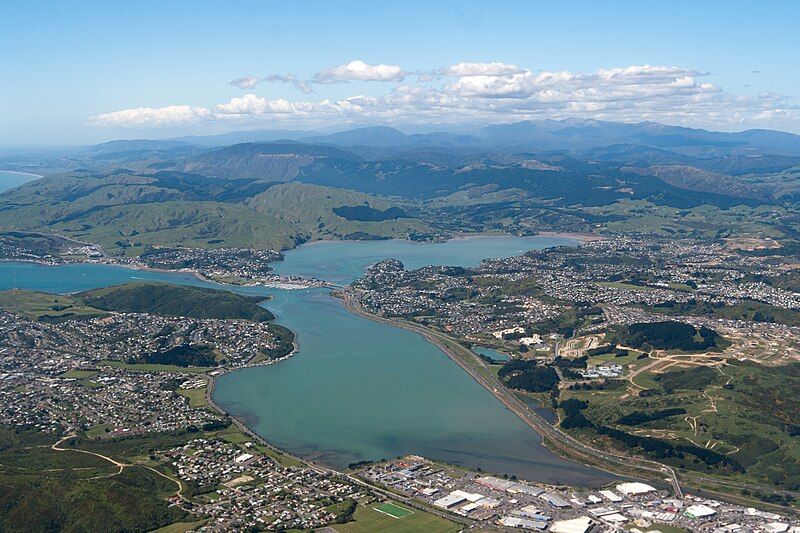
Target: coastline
point(140, 268)
point(552, 438)
point(583, 237)
point(205, 279)
point(21, 173)
point(563, 444)
point(197, 275)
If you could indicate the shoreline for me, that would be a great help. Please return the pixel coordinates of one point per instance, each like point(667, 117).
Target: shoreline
point(109, 261)
point(209, 393)
point(582, 237)
point(21, 173)
point(194, 273)
point(41, 263)
point(337, 294)
point(563, 444)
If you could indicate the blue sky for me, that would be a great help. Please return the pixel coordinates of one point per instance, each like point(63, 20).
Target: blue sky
point(82, 72)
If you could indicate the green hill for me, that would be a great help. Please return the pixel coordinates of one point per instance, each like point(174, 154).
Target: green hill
point(45, 307)
point(667, 335)
point(275, 161)
point(176, 300)
point(132, 501)
point(126, 212)
point(314, 209)
point(189, 224)
point(47, 490)
point(753, 422)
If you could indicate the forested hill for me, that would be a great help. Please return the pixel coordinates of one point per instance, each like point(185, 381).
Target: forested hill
point(368, 183)
point(127, 211)
point(176, 300)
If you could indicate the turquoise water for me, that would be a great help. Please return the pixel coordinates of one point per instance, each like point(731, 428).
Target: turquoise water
point(489, 352)
point(358, 389)
point(81, 277)
point(343, 262)
point(9, 180)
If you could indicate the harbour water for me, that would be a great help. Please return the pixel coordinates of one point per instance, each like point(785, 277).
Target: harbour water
point(344, 261)
point(358, 389)
point(9, 180)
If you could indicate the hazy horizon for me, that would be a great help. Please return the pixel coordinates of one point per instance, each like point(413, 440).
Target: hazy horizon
point(82, 74)
point(407, 129)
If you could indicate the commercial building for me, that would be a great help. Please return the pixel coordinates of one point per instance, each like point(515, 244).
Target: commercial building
point(576, 525)
point(635, 488)
point(699, 511)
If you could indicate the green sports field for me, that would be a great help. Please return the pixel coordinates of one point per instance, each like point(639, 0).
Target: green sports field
point(393, 510)
point(367, 519)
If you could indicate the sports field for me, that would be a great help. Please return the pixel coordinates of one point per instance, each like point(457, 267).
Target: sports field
point(368, 519)
point(395, 511)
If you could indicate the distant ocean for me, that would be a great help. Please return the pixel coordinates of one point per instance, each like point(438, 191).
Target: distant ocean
point(9, 180)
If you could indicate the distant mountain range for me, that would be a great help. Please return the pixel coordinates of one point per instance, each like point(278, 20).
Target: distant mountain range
point(385, 161)
point(569, 135)
point(578, 135)
point(197, 190)
point(236, 137)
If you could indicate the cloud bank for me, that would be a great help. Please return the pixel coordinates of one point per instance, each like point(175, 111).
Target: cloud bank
point(159, 116)
point(494, 92)
point(359, 71)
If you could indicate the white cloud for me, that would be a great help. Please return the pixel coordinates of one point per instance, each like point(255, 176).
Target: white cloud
point(298, 84)
point(359, 71)
point(605, 84)
point(481, 69)
point(495, 92)
point(251, 104)
point(246, 82)
point(645, 72)
point(251, 82)
point(148, 116)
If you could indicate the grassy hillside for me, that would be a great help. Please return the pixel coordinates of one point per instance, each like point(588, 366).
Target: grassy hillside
point(46, 490)
point(311, 207)
point(277, 195)
point(175, 300)
point(192, 224)
point(45, 307)
point(741, 411)
point(743, 310)
point(131, 501)
point(275, 161)
point(126, 212)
